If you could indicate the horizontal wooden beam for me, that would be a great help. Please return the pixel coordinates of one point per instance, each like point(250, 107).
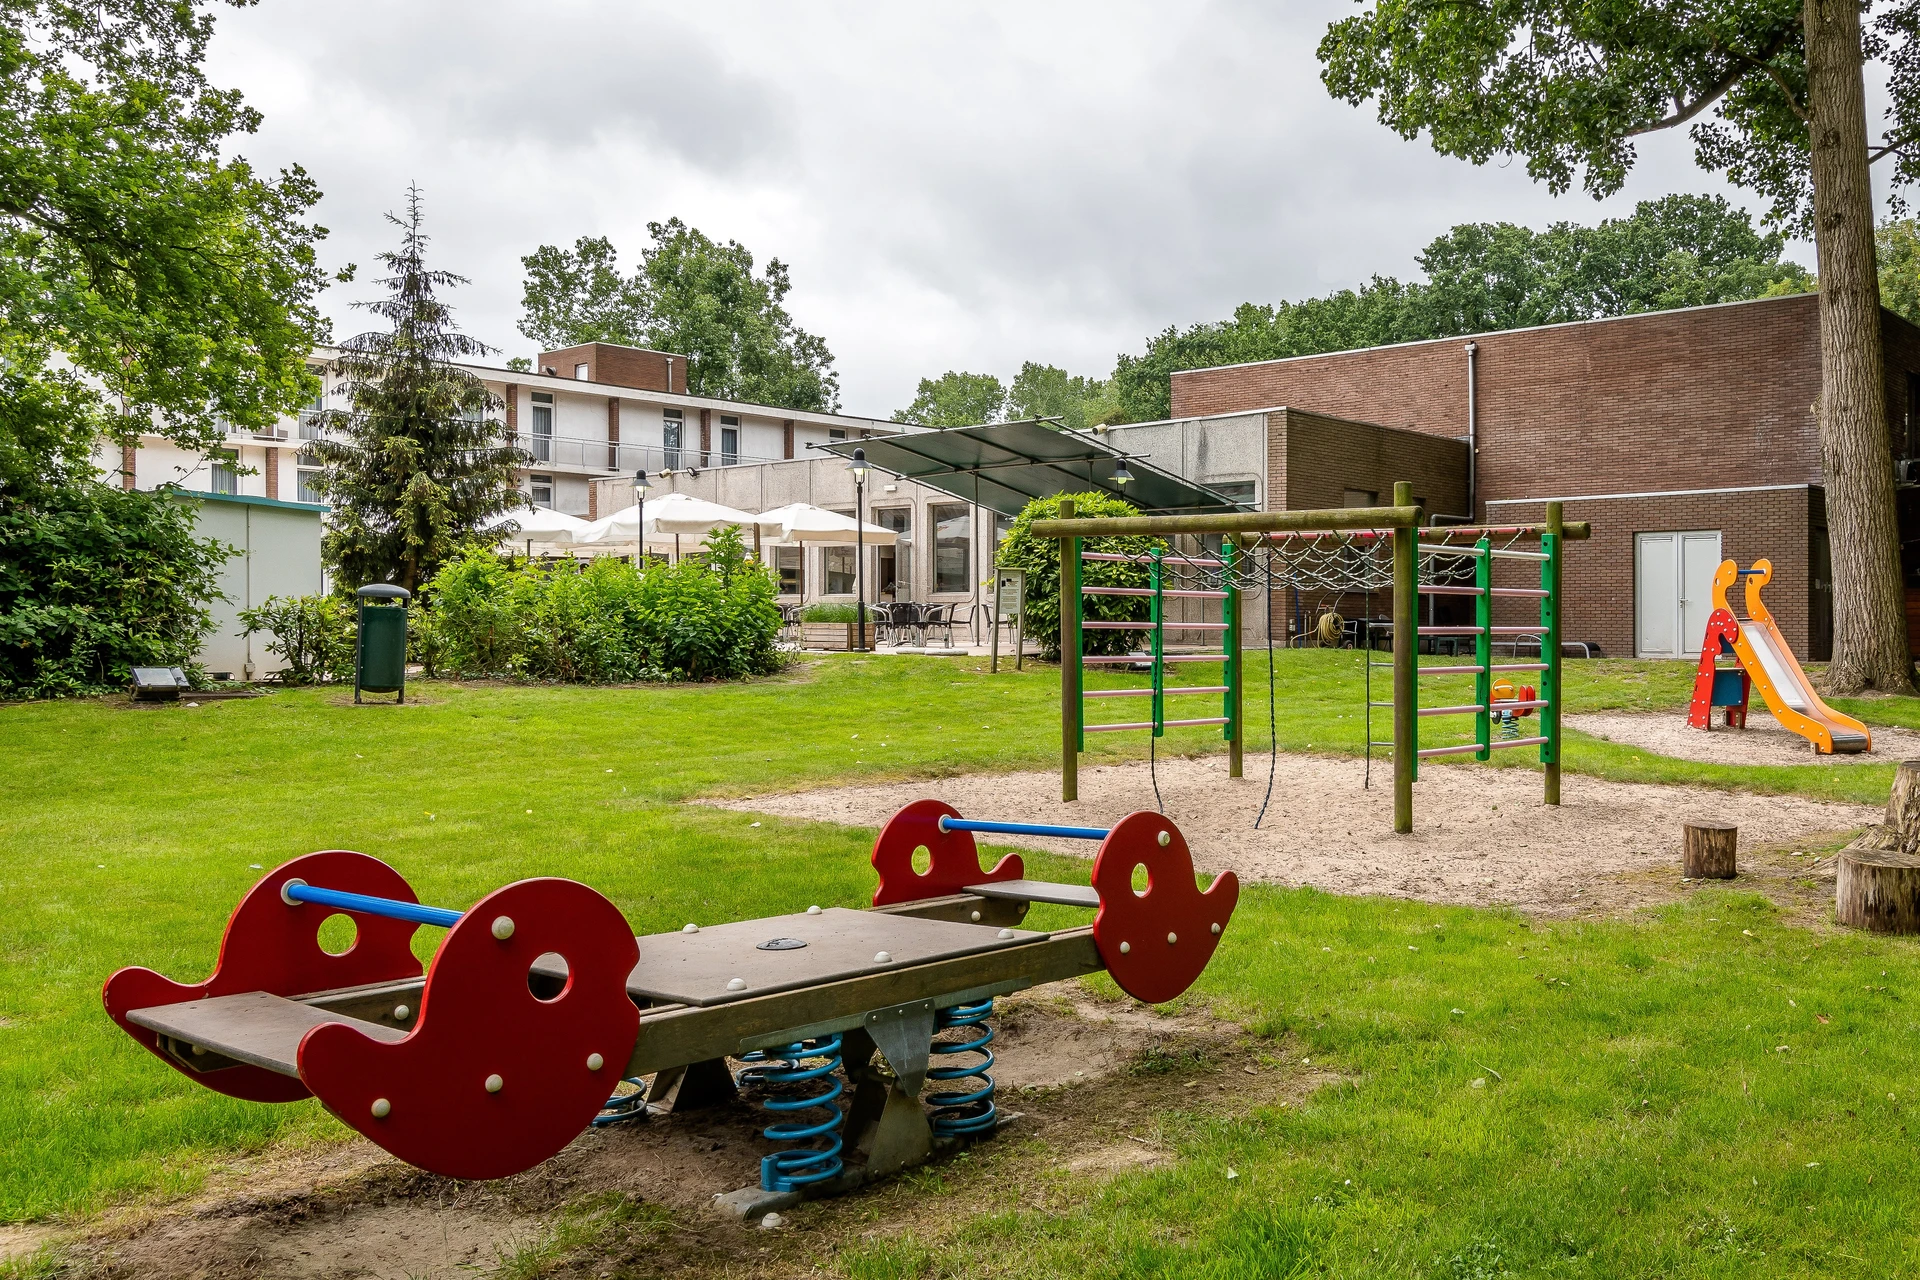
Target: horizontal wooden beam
point(1232, 522)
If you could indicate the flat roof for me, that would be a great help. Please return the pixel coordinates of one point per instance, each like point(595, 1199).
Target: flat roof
point(554, 382)
point(1494, 333)
point(248, 500)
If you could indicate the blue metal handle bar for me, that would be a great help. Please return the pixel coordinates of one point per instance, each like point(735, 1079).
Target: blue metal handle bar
point(1023, 829)
point(393, 909)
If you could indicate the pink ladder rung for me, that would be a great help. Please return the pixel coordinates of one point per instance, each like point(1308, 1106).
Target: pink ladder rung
point(1517, 742)
point(1148, 591)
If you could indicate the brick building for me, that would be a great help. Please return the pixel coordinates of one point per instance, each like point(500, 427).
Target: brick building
point(1683, 436)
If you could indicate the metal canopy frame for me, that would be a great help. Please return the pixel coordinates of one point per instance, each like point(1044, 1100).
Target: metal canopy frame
point(1005, 465)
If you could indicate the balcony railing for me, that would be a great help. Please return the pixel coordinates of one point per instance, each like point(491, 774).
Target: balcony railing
point(598, 455)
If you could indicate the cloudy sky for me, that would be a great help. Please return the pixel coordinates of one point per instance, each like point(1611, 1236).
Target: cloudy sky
point(954, 186)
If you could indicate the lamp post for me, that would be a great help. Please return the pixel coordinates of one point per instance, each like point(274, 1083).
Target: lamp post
point(640, 486)
point(859, 468)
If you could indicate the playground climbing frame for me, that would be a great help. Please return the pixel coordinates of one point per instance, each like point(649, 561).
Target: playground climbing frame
point(1274, 548)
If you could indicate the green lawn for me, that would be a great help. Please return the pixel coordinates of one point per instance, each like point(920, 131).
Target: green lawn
point(127, 836)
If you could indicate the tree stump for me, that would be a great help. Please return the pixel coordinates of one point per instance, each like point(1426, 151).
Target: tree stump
point(1900, 831)
point(1706, 850)
point(1878, 890)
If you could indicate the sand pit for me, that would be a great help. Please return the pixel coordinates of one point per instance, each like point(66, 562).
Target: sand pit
point(1481, 836)
point(1764, 740)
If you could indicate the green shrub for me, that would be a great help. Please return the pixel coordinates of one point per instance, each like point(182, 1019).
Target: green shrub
point(1040, 557)
point(708, 619)
point(830, 613)
point(96, 580)
point(312, 634)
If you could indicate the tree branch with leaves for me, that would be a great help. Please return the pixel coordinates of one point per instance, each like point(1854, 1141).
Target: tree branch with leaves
point(1773, 94)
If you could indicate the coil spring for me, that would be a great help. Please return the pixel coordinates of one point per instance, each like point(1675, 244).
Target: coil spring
point(964, 1111)
point(624, 1106)
point(1509, 725)
point(784, 1070)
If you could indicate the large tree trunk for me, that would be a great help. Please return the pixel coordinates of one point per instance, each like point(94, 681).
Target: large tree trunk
point(1869, 613)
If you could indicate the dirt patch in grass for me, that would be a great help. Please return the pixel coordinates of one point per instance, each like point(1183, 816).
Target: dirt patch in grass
point(1764, 740)
point(1481, 836)
point(1082, 1078)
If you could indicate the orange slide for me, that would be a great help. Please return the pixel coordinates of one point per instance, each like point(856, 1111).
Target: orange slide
point(1763, 654)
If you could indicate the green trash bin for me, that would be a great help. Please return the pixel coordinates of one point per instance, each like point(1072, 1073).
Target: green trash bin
point(380, 643)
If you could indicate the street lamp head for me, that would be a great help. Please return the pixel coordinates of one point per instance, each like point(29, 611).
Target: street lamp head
point(859, 466)
point(640, 481)
point(1122, 476)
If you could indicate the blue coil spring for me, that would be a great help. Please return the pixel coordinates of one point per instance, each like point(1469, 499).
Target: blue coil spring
point(963, 1111)
point(786, 1077)
point(624, 1106)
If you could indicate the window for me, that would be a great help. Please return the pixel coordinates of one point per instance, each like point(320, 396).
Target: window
point(1359, 498)
point(729, 440)
point(952, 547)
point(306, 482)
point(836, 433)
point(542, 487)
point(893, 566)
point(1241, 491)
point(1002, 530)
point(580, 373)
point(542, 443)
point(840, 579)
point(672, 426)
point(791, 564)
point(222, 473)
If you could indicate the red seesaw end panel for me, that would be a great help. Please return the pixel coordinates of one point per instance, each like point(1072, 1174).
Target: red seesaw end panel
point(274, 947)
point(493, 1080)
point(1157, 942)
point(955, 859)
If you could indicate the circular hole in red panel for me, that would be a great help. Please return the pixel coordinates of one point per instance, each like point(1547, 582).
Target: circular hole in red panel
point(548, 978)
point(337, 934)
point(1142, 880)
point(922, 860)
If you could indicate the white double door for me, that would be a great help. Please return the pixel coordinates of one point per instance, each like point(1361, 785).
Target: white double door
point(1673, 592)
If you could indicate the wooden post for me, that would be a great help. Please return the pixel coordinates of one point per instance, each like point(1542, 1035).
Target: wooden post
point(1877, 890)
point(1069, 661)
point(1550, 654)
point(1707, 850)
point(1406, 618)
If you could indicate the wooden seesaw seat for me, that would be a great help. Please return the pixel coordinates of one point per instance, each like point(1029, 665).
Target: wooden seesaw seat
point(540, 1000)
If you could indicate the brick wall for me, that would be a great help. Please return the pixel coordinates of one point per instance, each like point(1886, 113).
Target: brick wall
point(621, 366)
point(1313, 460)
point(1597, 586)
point(1709, 397)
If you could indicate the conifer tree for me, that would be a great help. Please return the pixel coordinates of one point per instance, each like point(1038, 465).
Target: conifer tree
point(416, 464)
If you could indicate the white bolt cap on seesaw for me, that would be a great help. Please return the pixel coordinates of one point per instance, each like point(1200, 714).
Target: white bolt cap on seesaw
point(503, 927)
point(595, 1062)
point(495, 1084)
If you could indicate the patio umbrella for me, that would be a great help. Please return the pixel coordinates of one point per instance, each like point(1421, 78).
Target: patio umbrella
point(668, 518)
point(540, 524)
point(801, 522)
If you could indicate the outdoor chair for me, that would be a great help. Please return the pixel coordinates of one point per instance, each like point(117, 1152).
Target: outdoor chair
point(937, 616)
point(903, 617)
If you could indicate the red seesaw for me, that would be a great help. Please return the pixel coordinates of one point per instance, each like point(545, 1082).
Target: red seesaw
point(540, 1000)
